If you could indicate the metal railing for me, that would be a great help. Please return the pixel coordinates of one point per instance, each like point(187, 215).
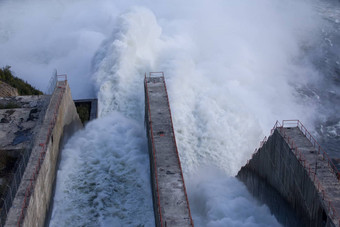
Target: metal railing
point(262, 142)
point(151, 74)
point(316, 145)
point(52, 84)
point(301, 158)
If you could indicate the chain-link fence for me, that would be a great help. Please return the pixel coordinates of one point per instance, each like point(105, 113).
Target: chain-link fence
point(12, 188)
point(52, 84)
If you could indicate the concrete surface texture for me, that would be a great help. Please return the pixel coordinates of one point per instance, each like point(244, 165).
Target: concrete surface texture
point(289, 166)
point(19, 123)
point(30, 209)
point(7, 90)
point(18, 120)
point(170, 200)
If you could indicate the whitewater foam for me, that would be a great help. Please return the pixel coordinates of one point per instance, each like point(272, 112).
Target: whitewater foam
point(103, 177)
point(232, 69)
point(230, 204)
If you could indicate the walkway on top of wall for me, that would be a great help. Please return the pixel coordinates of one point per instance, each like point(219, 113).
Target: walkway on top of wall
point(318, 168)
point(170, 198)
point(290, 170)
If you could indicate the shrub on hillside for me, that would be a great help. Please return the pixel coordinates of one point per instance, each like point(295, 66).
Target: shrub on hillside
point(23, 87)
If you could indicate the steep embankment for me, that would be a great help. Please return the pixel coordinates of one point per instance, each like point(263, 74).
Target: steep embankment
point(11, 85)
point(7, 91)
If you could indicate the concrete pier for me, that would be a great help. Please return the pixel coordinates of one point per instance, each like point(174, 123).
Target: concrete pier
point(294, 168)
point(171, 204)
point(32, 199)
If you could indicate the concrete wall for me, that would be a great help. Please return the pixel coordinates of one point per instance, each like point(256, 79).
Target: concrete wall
point(67, 121)
point(152, 175)
point(18, 128)
point(7, 90)
point(171, 205)
point(152, 164)
point(275, 176)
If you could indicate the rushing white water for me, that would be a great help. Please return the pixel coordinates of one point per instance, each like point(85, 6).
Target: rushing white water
point(103, 178)
point(232, 69)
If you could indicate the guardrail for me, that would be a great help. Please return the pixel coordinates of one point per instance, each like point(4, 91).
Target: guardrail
point(316, 145)
point(52, 84)
point(155, 74)
point(262, 142)
point(301, 158)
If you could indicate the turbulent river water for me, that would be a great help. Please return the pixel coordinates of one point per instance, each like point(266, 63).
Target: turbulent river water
point(232, 69)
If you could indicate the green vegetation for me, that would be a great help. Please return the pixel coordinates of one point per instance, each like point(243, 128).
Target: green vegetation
point(83, 110)
point(23, 87)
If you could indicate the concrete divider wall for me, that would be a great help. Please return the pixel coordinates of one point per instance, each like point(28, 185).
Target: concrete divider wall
point(67, 121)
point(152, 176)
point(152, 164)
point(275, 176)
point(171, 205)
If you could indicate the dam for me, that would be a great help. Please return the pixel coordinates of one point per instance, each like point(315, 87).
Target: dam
point(293, 175)
point(289, 172)
point(171, 205)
